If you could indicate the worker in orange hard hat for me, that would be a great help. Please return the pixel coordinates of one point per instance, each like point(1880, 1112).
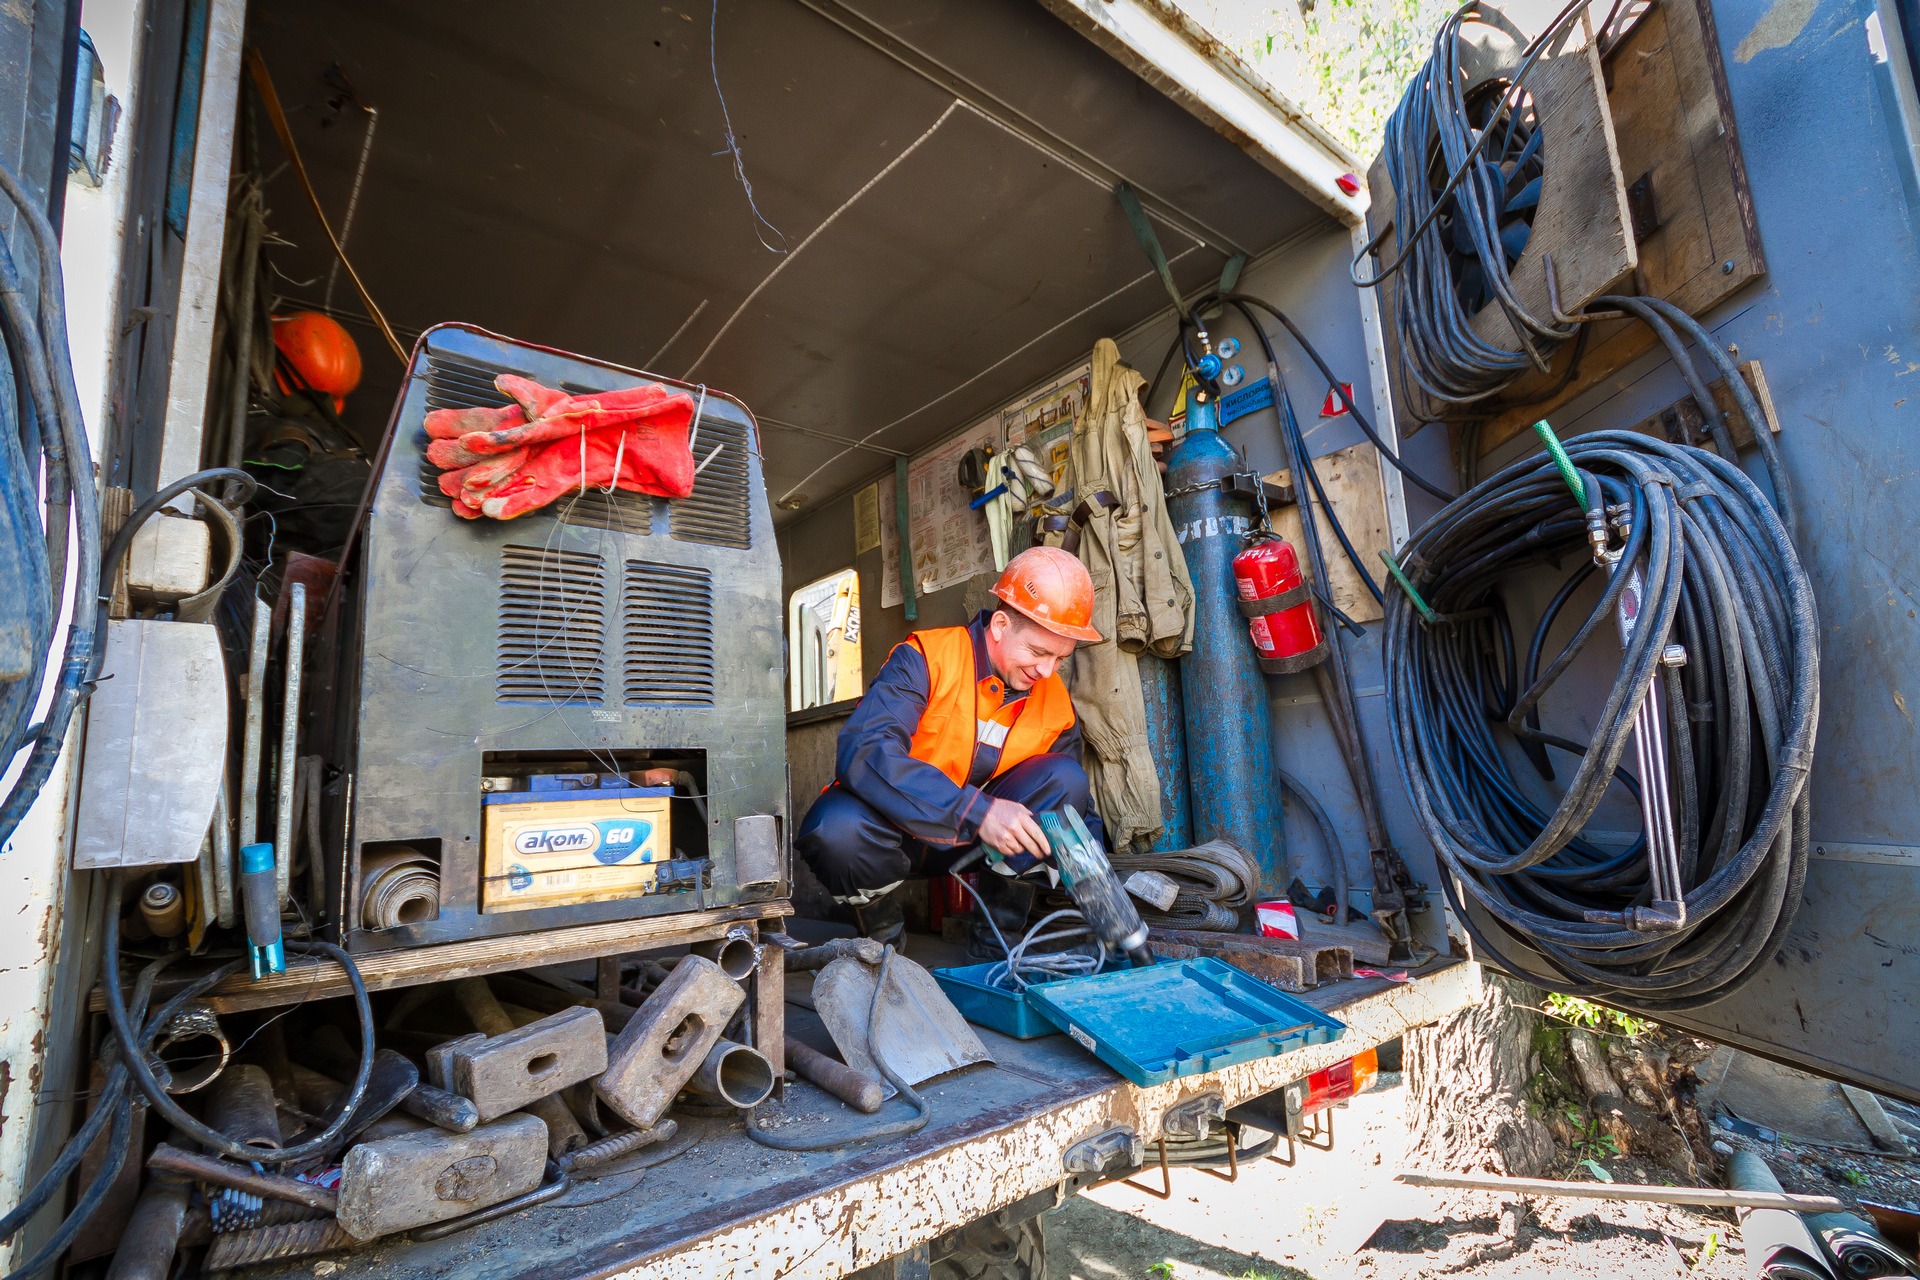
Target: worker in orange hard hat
point(964, 735)
point(316, 354)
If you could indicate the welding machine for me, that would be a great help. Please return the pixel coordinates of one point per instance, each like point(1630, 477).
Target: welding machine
point(571, 717)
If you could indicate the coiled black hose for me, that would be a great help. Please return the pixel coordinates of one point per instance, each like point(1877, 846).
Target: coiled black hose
point(1439, 351)
point(135, 1051)
point(1720, 577)
point(130, 1067)
point(44, 393)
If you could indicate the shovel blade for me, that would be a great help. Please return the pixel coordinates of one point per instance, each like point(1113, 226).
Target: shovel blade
point(916, 1028)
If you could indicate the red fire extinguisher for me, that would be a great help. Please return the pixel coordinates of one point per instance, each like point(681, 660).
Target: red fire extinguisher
point(1278, 605)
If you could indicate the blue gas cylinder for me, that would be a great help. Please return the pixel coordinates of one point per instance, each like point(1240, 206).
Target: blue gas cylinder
point(1229, 741)
point(1167, 740)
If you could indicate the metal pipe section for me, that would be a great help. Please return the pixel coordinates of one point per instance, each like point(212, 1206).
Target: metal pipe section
point(194, 1048)
point(735, 954)
point(1228, 736)
point(242, 1107)
point(733, 1074)
point(152, 1235)
point(855, 1088)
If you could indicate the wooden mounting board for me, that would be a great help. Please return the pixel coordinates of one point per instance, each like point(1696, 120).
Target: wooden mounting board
point(1673, 125)
point(1683, 423)
point(1582, 219)
point(385, 970)
point(1351, 478)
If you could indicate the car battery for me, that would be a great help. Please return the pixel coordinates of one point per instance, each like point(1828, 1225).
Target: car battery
point(571, 838)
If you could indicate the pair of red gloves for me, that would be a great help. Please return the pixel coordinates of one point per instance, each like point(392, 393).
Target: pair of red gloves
point(508, 461)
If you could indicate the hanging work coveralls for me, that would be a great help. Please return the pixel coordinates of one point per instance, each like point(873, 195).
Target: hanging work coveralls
point(1143, 598)
point(936, 736)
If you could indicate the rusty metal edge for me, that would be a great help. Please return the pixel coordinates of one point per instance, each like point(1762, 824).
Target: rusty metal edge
point(885, 1203)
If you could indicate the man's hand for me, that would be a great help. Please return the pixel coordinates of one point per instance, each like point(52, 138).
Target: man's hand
point(1011, 828)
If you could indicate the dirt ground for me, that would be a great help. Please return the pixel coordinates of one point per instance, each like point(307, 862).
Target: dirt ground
point(1339, 1214)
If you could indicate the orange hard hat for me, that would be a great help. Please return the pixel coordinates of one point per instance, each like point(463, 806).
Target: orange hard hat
point(1053, 588)
point(322, 353)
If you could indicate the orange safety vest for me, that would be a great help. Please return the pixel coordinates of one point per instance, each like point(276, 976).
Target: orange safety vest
point(965, 709)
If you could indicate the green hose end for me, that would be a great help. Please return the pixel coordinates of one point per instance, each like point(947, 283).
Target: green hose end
point(1562, 461)
point(1406, 585)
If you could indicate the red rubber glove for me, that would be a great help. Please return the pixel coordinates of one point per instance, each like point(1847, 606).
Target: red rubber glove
point(650, 403)
point(652, 461)
point(470, 486)
point(451, 424)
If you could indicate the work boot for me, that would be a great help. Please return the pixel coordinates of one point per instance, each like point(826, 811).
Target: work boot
point(1009, 902)
point(884, 919)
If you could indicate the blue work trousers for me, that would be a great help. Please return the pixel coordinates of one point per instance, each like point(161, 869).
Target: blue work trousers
point(858, 855)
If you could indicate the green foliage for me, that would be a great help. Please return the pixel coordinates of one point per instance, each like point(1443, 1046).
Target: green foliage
point(1597, 1169)
point(1707, 1250)
point(1591, 1144)
point(1854, 1177)
point(1346, 61)
point(1596, 1017)
point(1161, 1271)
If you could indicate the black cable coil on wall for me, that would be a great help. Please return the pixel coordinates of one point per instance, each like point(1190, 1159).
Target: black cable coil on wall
point(1721, 579)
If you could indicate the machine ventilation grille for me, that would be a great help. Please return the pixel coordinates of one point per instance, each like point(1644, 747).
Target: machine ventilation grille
point(667, 633)
point(453, 383)
point(717, 511)
point(553, 613)
point(456, 383)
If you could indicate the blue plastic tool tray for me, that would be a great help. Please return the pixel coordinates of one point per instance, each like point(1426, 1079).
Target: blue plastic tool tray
point(1180, 1018)
point(994, 1007)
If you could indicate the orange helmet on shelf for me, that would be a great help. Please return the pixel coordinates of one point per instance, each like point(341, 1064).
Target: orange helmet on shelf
point(323, 355)
point(1053, 588)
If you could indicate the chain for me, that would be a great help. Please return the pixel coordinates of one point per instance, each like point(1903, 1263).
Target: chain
point(1262, 520)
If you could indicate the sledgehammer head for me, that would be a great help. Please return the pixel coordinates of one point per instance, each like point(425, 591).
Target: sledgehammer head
point(1094, 888)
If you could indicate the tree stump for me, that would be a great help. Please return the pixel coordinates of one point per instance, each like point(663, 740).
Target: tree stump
point(1467, 1087)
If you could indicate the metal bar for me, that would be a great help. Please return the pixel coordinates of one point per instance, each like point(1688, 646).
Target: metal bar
point(225, 1173)
point(769, 1012)
point(1712, 1197)
point(221, 852)
point(190, 377)
point(1166, 1177)
point(289, 738)
point(1233, 1157)
point(252, 741)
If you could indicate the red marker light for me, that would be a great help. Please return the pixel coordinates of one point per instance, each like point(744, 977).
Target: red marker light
point(1348, 183)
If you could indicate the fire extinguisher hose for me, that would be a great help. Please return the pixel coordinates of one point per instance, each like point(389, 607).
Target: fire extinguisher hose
point(1718, 577)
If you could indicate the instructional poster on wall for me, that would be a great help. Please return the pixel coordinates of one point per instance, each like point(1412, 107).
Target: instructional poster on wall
point(1044, 421)
point(950, 540)
point(866, 519)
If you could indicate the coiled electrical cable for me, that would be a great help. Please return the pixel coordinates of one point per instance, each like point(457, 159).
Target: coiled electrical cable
point(44, 395)
point(1025, 966)
point(1714, 571)
point(136, 1050)
point(1489, 147)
